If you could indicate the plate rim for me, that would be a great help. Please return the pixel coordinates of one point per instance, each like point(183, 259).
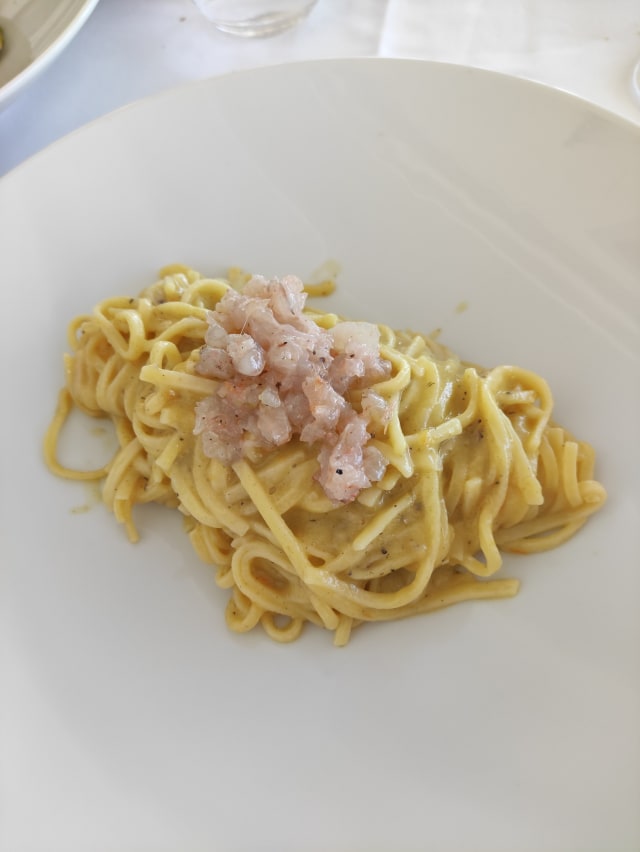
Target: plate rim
point(278, 67)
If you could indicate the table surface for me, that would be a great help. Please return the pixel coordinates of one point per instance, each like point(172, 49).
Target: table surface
point(130, 49)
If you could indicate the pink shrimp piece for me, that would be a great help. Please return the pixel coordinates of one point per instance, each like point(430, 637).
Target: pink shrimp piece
point(280, 375)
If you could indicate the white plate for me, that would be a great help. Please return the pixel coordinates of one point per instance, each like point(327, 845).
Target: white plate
point(35, 33)
point(130, 717)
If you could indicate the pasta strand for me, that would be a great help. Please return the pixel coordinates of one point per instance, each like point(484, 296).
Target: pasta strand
point(473, 467)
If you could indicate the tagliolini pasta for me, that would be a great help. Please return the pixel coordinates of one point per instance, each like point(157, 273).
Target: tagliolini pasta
point(467, 463)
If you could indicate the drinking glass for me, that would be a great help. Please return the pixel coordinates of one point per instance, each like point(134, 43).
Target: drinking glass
point(251, 18)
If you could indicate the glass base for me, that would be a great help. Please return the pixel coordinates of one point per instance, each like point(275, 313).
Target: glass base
point(635, 82)
point(270, 23)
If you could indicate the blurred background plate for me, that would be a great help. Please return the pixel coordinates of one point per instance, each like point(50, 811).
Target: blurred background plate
point(503, 212)
point(35, 33)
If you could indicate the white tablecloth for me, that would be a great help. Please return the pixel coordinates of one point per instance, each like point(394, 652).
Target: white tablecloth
point(132, 48)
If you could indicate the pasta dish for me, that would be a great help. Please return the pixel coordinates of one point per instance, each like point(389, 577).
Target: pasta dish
point(333, 472)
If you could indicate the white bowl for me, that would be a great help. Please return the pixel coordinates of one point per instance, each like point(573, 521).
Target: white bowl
point(130, 717)
point(35, 33)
